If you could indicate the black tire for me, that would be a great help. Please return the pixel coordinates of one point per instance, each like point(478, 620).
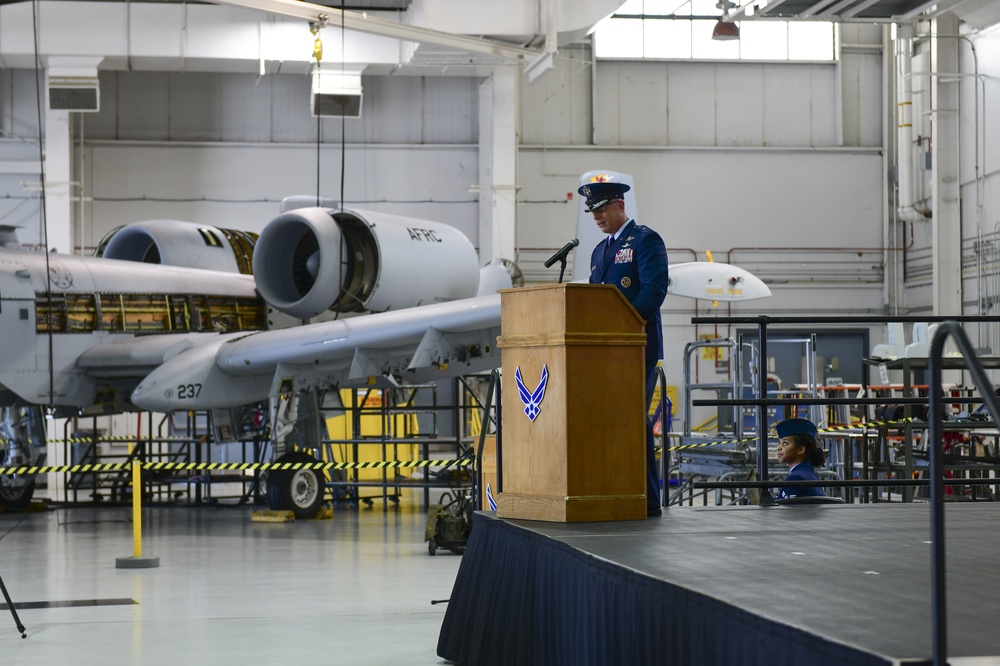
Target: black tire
point(16, 496)
point(299, 491)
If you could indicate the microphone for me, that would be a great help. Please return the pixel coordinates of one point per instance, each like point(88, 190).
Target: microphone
point(563, 251)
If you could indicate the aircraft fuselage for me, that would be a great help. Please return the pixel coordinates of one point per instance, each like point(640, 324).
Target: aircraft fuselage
point(50, 324)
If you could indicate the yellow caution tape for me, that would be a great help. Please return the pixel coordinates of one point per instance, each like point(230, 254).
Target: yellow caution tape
point(199, 467)
point(115, 438)
point(869, 424)
point(387, 464)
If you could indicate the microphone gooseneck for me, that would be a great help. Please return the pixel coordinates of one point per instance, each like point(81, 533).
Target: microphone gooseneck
point(563, 251)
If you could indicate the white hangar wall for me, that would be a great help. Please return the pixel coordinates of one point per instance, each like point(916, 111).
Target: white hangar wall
point(774, 166)
point(738, 158)
point(226, 148)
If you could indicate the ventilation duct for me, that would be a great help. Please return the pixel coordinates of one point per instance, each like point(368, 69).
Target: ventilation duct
point(73, 84)
point(74, 93)
point(336, 91)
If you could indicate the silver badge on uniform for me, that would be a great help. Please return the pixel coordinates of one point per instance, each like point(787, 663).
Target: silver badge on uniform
point(626, 282)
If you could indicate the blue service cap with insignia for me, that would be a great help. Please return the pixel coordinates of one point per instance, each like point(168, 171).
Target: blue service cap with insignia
point(601, 194)
point(796, 427)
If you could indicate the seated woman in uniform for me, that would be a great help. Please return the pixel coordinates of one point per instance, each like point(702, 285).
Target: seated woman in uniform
point(798, 448)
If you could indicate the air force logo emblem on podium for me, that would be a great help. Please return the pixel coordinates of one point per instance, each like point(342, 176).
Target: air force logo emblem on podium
point(532, 399)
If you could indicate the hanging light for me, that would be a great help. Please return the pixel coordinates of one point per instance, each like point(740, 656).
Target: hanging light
point(725, 31)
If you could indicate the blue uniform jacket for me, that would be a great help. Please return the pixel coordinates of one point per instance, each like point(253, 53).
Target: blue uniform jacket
point(637, 265)
point(801, 472)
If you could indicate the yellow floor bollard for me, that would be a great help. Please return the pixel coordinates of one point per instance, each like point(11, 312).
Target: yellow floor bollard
point(137, 561)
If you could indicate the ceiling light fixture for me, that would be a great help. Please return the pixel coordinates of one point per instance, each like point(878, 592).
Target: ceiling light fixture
point(725, 30)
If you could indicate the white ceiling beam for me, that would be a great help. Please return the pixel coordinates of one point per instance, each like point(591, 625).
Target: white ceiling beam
point(836, 9)
point(362, 22)
point(857, 9)
point(939, 6)
point(759, 8)
point(822, 4)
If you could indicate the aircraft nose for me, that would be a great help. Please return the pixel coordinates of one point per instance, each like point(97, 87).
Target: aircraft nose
point(146, 396)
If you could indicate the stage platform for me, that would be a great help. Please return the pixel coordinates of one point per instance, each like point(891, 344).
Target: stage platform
point(734, 586)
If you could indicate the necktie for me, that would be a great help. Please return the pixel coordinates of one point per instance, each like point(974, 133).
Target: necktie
point(607, 249)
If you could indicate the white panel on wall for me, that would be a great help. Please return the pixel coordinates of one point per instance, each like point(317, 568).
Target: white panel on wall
point(449, 109)
point(716, 104)
point(103, 125)
point(556, 106)
point(289, 98)
point(988, 52)
point(607, 102)
point(244, 105)
point(720, 200)
point(386, 117)
point(787, 118)
point(988, 47)
point(691, 100)
point(872, 119)
point(642, 104)
point(739, 104)
point(823, 104)
point(143, 105)
point(158, 106)
point(862, 98)
point(241, 185)
point(195, 113)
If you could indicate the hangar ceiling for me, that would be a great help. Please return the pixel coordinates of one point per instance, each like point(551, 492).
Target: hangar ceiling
point(977, 13)
point(410, 37)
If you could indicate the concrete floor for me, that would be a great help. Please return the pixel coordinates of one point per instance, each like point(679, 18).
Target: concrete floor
point(356, 589)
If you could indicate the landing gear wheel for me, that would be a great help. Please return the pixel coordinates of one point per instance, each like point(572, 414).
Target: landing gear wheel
point(299, 491)
point(432, 547)
point(16, 493)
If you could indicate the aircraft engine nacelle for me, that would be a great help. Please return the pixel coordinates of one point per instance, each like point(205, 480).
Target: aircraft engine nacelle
point(315, 259)
point(178, 243)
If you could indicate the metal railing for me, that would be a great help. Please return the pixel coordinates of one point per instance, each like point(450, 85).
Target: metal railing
point(939, 610)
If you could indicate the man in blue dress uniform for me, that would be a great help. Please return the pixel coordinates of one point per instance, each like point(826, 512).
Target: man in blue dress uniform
point(634, 259)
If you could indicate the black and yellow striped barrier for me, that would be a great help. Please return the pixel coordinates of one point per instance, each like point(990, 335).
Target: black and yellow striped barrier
point(855, 426)
point(116, 438)
point(214, 467)
point(322, 466)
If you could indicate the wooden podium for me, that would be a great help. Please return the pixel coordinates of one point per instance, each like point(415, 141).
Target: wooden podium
point(583, 457)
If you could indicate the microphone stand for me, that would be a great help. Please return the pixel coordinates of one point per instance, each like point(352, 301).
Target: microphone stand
point(13, 611)
point(562, 268)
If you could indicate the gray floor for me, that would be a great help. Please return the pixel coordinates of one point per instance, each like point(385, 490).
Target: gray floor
point(356, 589)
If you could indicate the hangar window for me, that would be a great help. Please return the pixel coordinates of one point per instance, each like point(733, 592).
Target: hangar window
point(682, 30)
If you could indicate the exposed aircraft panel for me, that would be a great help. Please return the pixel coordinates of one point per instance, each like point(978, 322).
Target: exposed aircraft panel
point(178, 243)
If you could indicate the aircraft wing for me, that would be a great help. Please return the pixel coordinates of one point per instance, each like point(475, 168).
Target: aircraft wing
point(137, 357)
point(715, 282)
point(416, 344)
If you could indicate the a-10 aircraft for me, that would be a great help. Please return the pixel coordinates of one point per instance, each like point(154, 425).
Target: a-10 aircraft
point(179, 316)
